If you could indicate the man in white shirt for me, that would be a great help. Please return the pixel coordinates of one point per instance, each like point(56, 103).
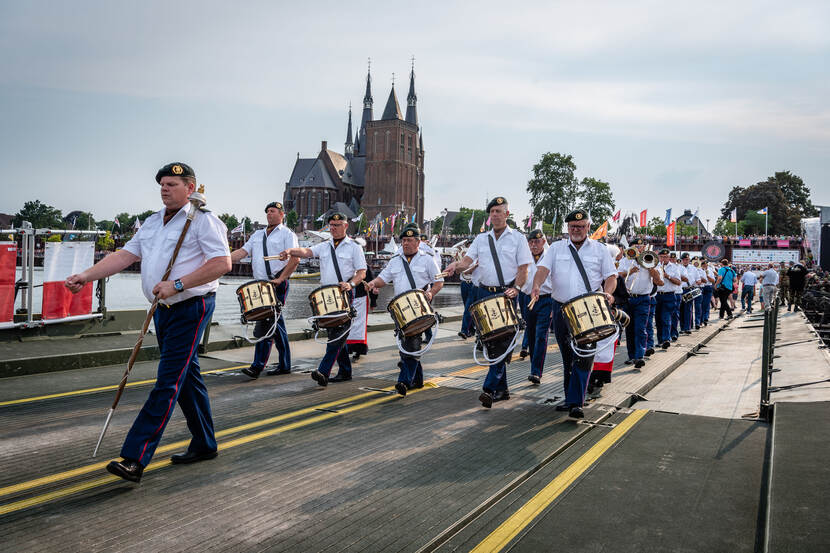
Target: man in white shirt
point(261, 244)
point(342, 263)
point(708, 290)
point(748, 282)
point(537, 318)
point(700, 279)
point(560, 267)
point(504, 275)
point(186, 302)
point(412, 269)
point(769, 284)
point(667, 298)
point(639, 282)
point(689, 277)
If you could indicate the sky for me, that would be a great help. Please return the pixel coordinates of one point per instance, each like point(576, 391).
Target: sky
point(672, 104)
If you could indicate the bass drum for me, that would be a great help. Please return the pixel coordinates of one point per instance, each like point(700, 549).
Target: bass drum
point(714, 250)
point(495, 318)
point(411, 312)
point(330, 306)
point(257, 300)
point(589, 318)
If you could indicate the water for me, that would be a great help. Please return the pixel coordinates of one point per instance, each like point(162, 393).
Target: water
point(124, 292)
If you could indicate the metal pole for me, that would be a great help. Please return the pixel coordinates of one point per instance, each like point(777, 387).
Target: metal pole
point(31, 277)
point(24, 264)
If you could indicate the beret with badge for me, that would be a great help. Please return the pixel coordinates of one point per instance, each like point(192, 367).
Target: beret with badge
point(535, 233)
point(276, 205)
point(410, 232)
point(498, 200)
point(576, 215)
point(175, 169)
point(336, 216)
point(664, 251)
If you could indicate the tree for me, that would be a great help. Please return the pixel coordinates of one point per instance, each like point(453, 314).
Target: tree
point(461, 223)
point(105, 242)
point(784, 195)
point(291, 219)
point(796, 192)
point(40, 215)
point(230, 221)
point(656, 227)
point(553, 189)
point(597, 199)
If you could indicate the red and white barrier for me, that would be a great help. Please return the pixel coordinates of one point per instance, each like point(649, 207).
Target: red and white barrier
point(8, 260)
point(61, 260)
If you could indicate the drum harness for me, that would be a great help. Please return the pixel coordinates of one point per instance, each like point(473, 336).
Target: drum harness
point(276, 309)
point(398, 332)
point(587, 352)
point(494, 253)
point(313, 319)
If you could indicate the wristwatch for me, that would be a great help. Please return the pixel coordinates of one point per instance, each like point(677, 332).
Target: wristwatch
point(178, 285)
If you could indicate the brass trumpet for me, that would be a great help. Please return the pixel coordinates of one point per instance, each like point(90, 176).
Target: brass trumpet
point(631, 253)
point(647, 259)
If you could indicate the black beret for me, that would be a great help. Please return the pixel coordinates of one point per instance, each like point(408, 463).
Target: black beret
point(576, 215)
point(424, 237)
point(336, 216)
point(673, 255)
point(684, 255)
point(410, 232)
point(664, 251)
point(175, 169)
point(638, 242)
point(535, 233)
point(498, 200)
point(277, 205)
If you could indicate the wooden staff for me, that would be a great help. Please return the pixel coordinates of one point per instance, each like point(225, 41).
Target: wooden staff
point(197, 200)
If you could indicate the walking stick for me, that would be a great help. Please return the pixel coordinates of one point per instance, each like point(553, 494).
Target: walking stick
point(197, 200)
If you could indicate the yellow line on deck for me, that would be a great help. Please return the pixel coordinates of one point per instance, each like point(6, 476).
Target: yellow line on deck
point(480, 368)
point(101, 388)
point(528, 512)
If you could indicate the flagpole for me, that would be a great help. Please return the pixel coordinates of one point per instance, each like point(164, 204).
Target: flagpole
point(766, 221)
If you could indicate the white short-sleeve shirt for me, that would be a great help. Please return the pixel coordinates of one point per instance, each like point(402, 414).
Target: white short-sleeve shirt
point(566, 281)
point(155, 242)
point(280, 239)
point(670, 270)
point(423, 272)
point(512, 250)
point(531, 274)
point(638, 283)
point(350, 259)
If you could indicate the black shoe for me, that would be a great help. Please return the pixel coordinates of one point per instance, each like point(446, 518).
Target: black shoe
point(126, 469)
point(462, 335)
point(417, 386)
point(319, 378)
point(576, 413)
point(479, 347)
point(674, 339)
point(524, 353)
point(252, 372)
point(534, 379)
point(697, 327)
point(639, 363)
point(486, 399)
point(563, 407)
point(355, 357)
point(795, 309)
point(192, 457)
point(788, 308)
point(629, 361)
point(340, 378)
point(501, 396)
point(650, 351)
point(277, 370)
point(665, 345)
point(400, 387)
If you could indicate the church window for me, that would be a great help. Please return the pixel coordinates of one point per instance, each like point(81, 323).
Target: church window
point(376, 142)
point(401, 145)
point(387, 142)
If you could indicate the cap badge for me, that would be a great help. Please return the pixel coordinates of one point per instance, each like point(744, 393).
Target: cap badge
point(578, 216)
point(177, 169)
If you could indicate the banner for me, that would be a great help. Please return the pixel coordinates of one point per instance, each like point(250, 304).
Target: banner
point(643, 222)
point(745, 242)
point(62, 259)
point(600, 232)
point(762, 257)
point(670, 234)
point(783, 243)
point(668, 218)
point(616, 216)
point(8, 263)
point(733, 217)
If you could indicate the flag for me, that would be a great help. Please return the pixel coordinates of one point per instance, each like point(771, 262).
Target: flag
point(733, 217)
point(137, 224)
point(395, 216)
point(616, 216)
point(238, 228)
point(600, 232)
point(62, 259)
point(695, 214)
point(530, 221)
point(115, 223)
point(762, 211)
point(358, 218)
point(643, 215)
point(75, 218)
point(539, 224)
point(321, 217)
point(670, 234)
point(668, 217)
point(472, 216)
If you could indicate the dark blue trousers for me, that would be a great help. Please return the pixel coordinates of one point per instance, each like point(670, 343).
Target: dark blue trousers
point(576, 369)
point(496, 379)
point(524, 300)
point(635, 333)
point(665, 311)
point(536, 333)
point(652, 307)
point(468, 296)
point(178, 329)
point(262, 350)
point(675, 316)
point(699, 309)
point(337, 351)
point(412, 373)
point(707, 302)
point(686, 308)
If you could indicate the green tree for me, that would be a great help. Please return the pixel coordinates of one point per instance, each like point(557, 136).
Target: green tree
point(461, 223)
point(40, 215)
point(553, 189)
point(230, 221)
point(597, 199)
point(656, 227)
point(796, 192)
point(291, 219)
point(105, 242)
point(785, 196)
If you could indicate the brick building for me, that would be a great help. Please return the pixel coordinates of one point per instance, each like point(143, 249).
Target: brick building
point(380, 171)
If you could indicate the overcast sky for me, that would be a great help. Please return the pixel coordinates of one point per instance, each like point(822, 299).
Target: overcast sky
point(673, 105)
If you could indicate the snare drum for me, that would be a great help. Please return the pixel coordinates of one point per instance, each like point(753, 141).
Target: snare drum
point(333, 302)
point(411, 312)
point(495, 317)
point(589, 318)
point(257, 300)
point(691, 295)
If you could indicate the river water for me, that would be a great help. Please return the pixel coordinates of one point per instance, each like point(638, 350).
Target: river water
point(124, 292)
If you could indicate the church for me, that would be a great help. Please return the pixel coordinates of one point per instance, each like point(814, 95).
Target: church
point(381, 170)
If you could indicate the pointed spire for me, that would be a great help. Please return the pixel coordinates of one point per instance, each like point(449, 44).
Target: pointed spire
point(421, 141)
point(392, 109)
point(368, 115)
point(412, 98)
point(349, 148)
point(357, 143)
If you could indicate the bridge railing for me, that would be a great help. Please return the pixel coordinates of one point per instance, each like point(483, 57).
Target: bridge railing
point(768, 357)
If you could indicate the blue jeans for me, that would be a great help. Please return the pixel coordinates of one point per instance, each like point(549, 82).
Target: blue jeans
point(262, 350)
point(686, 313)
point(675, 316)
point(699, 309)
point(536, 333)
point(652, 307)
point(635, 333)
point(337, 351)
point(665, 311)
point(576, 370)
point(412, 374)
point(178, 329)
point(747, 295)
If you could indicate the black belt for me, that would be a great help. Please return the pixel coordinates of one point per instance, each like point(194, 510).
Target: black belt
point(544, 296)
point(188, 301)
point(637, 295)
point(664, 293)
point(496, 289)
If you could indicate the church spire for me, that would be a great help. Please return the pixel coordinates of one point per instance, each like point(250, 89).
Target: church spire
point(367, 105)
point(349, 147)
point(392, 109)
point(411, 98)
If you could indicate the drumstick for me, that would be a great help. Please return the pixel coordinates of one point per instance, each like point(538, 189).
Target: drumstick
point(442, 275)
point(531, 304)
point(271, 257)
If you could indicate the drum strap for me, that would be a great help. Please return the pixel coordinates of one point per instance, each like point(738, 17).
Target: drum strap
point(408, 272)
point(580, 267)
point(336, 265)
point(496, 261)
point(268, 270)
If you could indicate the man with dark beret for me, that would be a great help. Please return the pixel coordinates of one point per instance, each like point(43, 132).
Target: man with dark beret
point(186, 302)
point(535, 341)
point(666, 298)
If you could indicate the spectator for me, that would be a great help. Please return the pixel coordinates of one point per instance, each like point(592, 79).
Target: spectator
point(748, 282)
point(769, 284)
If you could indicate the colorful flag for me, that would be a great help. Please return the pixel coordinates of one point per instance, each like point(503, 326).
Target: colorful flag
point(668, 217)
point(600, 232)
point(616, 216)
point(670, 234)
point(470, 224)
point(530, 221)
point(8, 275)
point(238, 228)
point(762, 211)
point(115, 223)
point(643, 215)
point(733, 217)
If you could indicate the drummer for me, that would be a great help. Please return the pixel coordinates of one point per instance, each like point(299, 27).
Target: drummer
point(560, 266)
point(505, 274)
point(421, 266)
point(345, 269)
point(274, 239)
point(537, 318)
